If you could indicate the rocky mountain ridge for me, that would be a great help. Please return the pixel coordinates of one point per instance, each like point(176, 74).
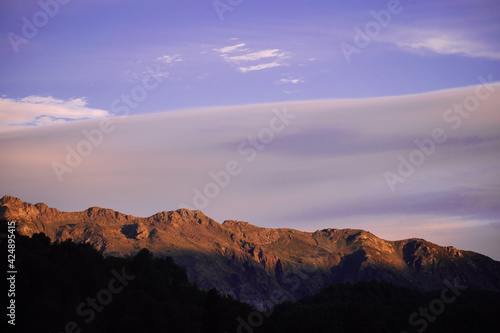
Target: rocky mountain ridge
point(260, 266)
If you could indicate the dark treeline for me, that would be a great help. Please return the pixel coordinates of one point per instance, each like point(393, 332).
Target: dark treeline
point(382, 307)
point(68, 287)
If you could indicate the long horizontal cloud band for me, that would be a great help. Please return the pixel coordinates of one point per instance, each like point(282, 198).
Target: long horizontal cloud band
point(324, 166)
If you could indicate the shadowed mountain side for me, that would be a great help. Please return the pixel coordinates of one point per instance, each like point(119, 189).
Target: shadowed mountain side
point(253, 263)
point(156, 296)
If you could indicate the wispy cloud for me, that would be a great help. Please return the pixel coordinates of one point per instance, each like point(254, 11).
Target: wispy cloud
point(259, 67)
point(229, 49)
point(42, 110)
point(274, 53)
point(292, 81)
point(444, 42)
point(245, 59)
point(169, 59)
point(289, 92)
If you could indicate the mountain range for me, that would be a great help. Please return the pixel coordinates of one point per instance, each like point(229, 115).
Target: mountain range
point(260, 266)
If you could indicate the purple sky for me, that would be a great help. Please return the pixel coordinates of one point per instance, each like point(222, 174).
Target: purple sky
point(328, 168)
point(98, 50)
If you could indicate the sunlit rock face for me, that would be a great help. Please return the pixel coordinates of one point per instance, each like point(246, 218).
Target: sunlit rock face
point(261, 266)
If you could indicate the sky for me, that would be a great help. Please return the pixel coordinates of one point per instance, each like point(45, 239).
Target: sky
point(379, 115)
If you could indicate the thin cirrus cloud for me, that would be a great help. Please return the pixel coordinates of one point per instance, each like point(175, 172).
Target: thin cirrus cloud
point(273, 53)
point(169, 59)
point(444, 43)
point(260, 67)
point(229, 49)
point(245, 59)
point(159, 68)
point(292, 81)
point(43, 110)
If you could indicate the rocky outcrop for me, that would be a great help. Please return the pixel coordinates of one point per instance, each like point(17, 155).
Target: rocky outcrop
point(260, 266)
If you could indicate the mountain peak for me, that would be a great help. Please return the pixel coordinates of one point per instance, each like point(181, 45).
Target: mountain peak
point(102, 213)
point(9, 199)
point(232, 223)
point(184, 212)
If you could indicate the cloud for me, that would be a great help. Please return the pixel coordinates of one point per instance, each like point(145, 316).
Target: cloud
point(245, 60)
point(229, 49)
point(445, 43)
point(158, 67)
point(169, 59)
point(288, 92)
point(292, 81)
point(43, 110)
point(274, 53)
point(259, 67)
point(163, 63)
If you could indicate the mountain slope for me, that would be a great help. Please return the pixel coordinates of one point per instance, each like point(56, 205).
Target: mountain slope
point(260, 266)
